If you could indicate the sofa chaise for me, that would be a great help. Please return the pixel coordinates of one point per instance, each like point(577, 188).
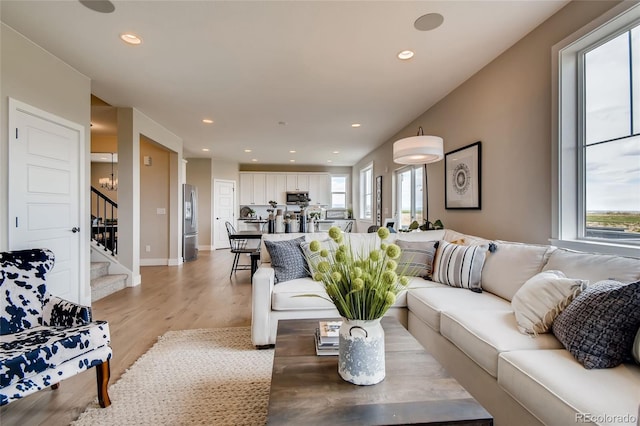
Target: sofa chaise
point(521, 378)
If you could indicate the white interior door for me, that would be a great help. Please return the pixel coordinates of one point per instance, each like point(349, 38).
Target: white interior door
point(44, 193)
point(224, 201)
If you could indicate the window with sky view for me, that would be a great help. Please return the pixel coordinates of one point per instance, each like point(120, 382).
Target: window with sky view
point(611, 140)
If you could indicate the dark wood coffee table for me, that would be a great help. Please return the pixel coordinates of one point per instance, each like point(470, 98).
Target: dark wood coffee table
point(307, 390)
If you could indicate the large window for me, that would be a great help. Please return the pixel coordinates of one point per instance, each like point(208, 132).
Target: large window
point(597, 201)
point(339, 191)
point(611, 142)
point(410, 195)
point(366, 192)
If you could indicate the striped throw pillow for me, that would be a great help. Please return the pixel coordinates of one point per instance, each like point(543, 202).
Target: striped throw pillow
point(459, 266)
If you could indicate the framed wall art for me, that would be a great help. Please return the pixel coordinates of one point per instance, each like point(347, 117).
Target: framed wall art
point(379, 201)
point(462, 169)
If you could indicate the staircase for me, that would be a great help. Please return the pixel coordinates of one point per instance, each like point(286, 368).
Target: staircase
point(103, 284)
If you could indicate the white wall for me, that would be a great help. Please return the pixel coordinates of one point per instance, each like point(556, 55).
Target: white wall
point(35, 77)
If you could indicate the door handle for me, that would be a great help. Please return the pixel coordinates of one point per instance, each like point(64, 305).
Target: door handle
point(75, 229)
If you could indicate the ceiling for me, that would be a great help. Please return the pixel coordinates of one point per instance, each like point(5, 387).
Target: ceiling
point(275, 76)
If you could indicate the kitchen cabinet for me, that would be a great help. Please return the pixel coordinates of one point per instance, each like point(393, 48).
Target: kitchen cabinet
point(276, 187)
point(251, 225)
point(260, 188)
point(297, 182)
point(252, 189)
point(320, 189)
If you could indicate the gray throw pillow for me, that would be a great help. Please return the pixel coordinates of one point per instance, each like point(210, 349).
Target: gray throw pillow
point(599, 326)
point(287, 259)
point(416, 259)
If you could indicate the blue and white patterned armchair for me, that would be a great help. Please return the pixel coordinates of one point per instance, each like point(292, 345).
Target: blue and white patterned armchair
point(44, 339)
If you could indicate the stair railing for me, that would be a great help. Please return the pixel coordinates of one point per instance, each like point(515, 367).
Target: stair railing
point(104, 221)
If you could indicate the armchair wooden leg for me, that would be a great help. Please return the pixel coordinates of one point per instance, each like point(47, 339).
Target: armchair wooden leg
point(102, 375)
point(56, 386)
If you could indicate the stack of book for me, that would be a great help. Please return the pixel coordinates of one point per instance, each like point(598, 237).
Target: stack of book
point(327, 337)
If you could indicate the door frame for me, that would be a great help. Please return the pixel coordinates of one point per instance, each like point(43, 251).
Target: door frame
point(16, 106)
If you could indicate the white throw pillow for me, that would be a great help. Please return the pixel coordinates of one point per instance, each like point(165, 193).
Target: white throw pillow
point(542, 298)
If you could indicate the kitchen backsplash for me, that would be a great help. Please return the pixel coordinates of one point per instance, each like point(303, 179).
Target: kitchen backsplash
point(261, 211)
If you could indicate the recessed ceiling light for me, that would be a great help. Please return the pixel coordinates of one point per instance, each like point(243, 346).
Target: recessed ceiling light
point(205, 149)
point(405, 55)
point(329, 161)
point(356, 125)
point(336, 152)
point(428, 22)
point(130, 38)
point(207, 121)
point(254, 159)
point(102, 6)
point(292, 161)
point(292, 151)
point(247, 150)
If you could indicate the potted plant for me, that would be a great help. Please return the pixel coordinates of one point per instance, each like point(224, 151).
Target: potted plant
point(362, 285)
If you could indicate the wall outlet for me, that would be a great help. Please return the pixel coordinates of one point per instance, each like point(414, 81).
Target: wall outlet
point(161, 210)
point(147, 248)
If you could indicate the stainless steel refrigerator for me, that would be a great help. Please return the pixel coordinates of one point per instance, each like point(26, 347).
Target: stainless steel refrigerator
point(190, 222)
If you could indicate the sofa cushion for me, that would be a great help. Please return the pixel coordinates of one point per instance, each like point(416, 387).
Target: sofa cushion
point(556, 389)
point(594, 267)
point(416, 259)
point(305, 294)
point(22, 288)
point(433, 235)
point(459, 266)
point(511, 265)
point(463, 239)
point(541, 299)
point(483, 335)
point(599, 326)
point(429, 303)
point(287, 259)
point(28, 353)
point(292, 295)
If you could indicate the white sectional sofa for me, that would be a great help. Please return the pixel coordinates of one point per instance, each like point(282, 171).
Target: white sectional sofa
point(518, 378)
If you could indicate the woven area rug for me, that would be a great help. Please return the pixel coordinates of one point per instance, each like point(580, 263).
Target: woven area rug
point(192, 377)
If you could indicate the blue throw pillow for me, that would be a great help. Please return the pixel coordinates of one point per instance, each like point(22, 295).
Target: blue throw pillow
point(287, 259)
point(599, 326)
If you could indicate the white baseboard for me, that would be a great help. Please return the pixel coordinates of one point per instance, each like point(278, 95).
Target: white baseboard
point(154, 262)
point(175, 262)
point(206, 248)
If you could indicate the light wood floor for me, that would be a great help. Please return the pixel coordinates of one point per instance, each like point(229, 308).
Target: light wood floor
point(195, 295)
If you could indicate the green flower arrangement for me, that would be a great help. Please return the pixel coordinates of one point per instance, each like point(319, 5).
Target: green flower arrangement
point(361, 286)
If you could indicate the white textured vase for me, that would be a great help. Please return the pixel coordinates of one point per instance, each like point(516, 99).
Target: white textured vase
point(361, 352)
